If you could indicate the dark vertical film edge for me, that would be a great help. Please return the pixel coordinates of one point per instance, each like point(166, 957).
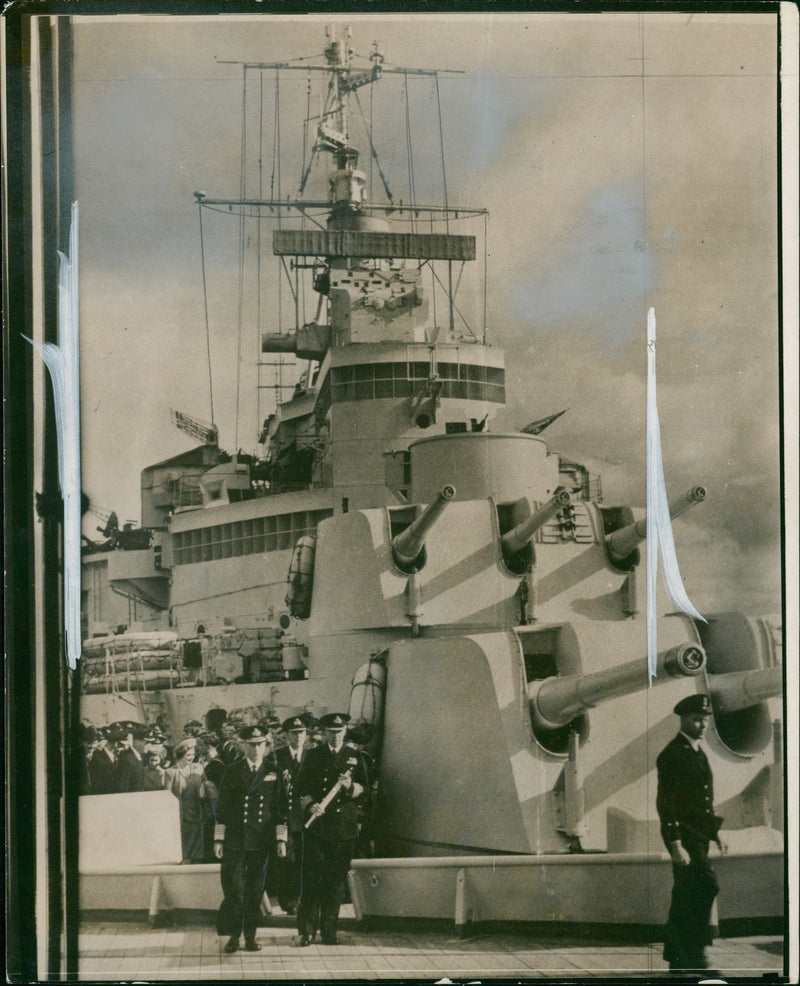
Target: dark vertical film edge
point(53, 518)
point(18, 515)
point(780, 178)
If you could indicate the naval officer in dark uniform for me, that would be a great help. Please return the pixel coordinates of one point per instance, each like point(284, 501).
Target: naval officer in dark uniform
point(102, 777)
point(290, 759)
point(685, 805)
point(331, 828)
point(250, 817)
point(128, 766)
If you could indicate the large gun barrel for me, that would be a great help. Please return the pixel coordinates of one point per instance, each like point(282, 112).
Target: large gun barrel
point(556, 701)
point(516, 539)
point(408, 544)
point(741, 689)
point(622, 542)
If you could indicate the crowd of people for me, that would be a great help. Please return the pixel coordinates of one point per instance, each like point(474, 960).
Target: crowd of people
point(127, 757)
point(299, 793)
point(294, 792)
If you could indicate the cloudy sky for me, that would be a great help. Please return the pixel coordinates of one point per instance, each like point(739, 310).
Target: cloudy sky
point(627, 161)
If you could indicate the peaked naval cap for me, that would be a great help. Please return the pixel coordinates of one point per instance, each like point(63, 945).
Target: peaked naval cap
point(693, 705)
point(126, 727)
point(334, 720)
point(294, 723)
point(252, 734)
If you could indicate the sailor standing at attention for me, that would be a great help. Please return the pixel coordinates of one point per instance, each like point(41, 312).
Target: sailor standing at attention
point(331, 783)
point(250, 817)
point(685, 805)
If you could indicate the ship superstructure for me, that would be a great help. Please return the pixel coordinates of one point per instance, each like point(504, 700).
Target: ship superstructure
point(462, 591)
point(390, 357)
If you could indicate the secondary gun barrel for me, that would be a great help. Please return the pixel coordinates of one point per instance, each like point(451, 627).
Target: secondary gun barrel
point(516, 539)
point(410, 542)
point(741, 689)
point(622, 542)
point(556, 701)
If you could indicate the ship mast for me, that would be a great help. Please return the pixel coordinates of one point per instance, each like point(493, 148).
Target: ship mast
point(333, 135)
point(376, 319)
point(347, 183)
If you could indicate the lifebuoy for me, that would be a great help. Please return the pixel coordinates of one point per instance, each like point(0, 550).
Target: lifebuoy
point(301, 577)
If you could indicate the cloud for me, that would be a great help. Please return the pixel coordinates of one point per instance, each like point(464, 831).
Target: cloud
point(607, 193)
point(602, 275)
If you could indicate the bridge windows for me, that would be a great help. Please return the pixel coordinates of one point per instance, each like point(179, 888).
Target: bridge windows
point(375, 381)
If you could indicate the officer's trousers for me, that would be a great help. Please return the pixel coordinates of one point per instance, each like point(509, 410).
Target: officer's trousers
point(693, 891)
point(243, 874)
point(289, 872)
point(323, 879)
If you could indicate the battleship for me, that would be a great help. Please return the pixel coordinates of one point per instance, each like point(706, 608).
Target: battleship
point(464, 593)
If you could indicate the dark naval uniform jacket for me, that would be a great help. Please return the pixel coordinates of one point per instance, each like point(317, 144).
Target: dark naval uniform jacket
point(250, 805)
point(102, 775)
point(685, 799)
point(319, 773)
point(249, 816)
point(128, 771)
point(329, 842)
point(289, 769)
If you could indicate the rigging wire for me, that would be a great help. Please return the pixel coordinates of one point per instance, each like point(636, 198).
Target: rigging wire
point(412, 191)
point(205, 308)
point(258, 246)
point(441, 146)
point(446, 203)
point(485, 273)
point(454, 307)
point(371, 123)
point(278, 137)
point(305, 124)
point(240, 313)
point(276, 177)
point(373, 152)
point(433, 285)
point(279, 368)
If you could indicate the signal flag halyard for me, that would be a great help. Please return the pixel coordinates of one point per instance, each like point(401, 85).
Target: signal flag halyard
point(659, 525)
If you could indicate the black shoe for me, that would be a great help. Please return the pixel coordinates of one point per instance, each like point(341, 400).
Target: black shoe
point(305, 940)
point(251, 945)
point(232, 945)
point(330, 940)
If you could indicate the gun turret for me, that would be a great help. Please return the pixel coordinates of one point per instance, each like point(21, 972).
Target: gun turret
point(621, 543)
point(408, 545)
point(516, 539)
point(741, 689)
point(557, 701)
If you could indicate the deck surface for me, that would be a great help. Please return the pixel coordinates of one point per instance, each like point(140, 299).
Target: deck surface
point(125, 949)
